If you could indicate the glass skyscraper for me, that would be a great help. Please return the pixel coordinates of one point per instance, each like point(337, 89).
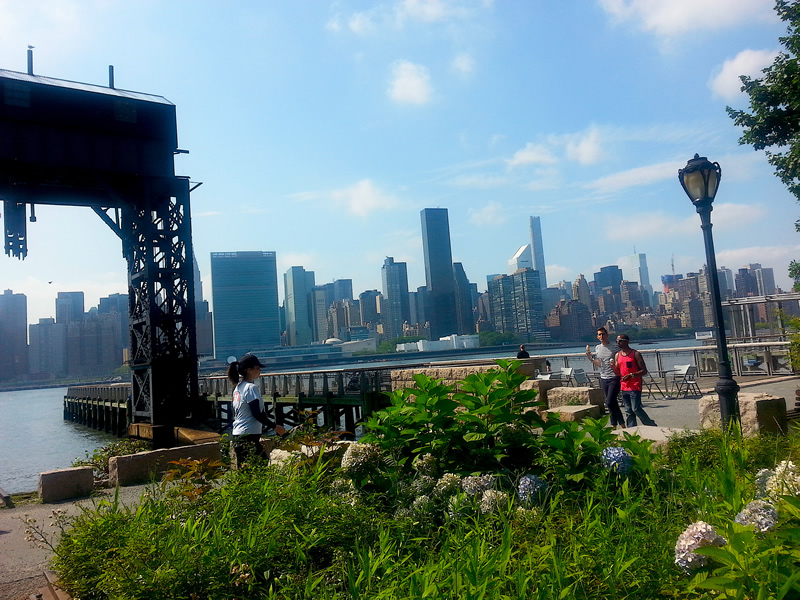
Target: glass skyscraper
point(298, 285)
point(440, 308)
point(244, 288)
point(395, 297)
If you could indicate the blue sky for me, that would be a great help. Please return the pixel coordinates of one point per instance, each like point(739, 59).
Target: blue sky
point(321, 129)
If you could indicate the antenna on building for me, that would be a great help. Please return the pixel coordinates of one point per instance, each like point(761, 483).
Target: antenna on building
point(30, 59)
point(673, 268)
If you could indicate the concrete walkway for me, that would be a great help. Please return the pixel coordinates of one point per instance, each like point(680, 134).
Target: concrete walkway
point(21, 562)
point(676, 414)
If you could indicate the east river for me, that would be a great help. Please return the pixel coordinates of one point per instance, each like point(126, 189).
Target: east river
point(34, 436)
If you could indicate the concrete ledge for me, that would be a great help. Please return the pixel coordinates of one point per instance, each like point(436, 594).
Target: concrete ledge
point(145, 466)
point(5, 499)
point(65, 484)
point(576, 413)
point(658, 435)
point(185, 436)
point(564, 396)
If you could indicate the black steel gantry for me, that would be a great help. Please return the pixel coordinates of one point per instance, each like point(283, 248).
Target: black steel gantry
point(76, 144)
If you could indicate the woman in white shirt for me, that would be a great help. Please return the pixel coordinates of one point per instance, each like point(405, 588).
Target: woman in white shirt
point(249, 414)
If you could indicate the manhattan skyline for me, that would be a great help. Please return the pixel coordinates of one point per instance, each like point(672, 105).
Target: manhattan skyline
point(320, 132)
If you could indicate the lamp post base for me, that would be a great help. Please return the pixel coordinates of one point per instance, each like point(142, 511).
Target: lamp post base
point(727, 390)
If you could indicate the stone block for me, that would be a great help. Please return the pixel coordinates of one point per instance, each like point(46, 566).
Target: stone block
point(65, 484)
point(5, 499)
point(532, 366)
point(564, 396)
point(147, 466)
point(759, 412)
point(186, 436)
point(576, 413)
point(543, 386)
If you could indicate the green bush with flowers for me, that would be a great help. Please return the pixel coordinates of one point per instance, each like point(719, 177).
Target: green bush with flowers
point(467, 494)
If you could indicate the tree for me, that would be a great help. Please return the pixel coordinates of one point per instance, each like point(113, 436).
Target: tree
point(774, 116)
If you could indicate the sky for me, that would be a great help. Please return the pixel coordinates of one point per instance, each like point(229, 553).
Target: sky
point(320, 130)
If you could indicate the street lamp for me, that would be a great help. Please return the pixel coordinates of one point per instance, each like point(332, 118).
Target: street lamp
point(700, 180)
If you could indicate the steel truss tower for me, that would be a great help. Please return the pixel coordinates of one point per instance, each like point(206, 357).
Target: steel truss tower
point(76, 144)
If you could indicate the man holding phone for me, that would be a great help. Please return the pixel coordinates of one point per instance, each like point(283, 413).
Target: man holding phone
point(630, 365)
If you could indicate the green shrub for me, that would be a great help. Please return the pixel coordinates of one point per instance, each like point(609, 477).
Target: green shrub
point(98, 460)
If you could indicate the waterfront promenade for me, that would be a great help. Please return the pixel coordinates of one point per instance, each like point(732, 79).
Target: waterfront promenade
point(22, 564)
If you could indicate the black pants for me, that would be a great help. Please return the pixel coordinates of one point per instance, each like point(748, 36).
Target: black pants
point(247, 447)
point(610, 389)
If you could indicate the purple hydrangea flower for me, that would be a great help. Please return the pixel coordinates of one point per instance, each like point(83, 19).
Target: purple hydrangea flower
point(761, 515)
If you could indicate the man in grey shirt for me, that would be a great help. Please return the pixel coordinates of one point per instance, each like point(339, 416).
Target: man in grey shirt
point(609, 377)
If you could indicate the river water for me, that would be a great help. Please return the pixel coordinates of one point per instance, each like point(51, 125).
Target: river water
point(35, 438)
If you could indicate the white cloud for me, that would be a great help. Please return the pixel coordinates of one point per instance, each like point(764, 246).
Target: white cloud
point(491, 214)
point(777, 257)
point(333, 24)
point(676, 17)
point(559, 273)
point(660, 225)
point(286, 260)
point(463, 64)
point(726, 83)
point(585, 148)
point(360, 23)
point(363, 198)
point(634, 177)
point(429, 11)
point(410, 83)
point(482, 182)
point(531, 154)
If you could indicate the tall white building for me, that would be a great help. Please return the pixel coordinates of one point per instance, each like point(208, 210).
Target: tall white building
point(522, 259)
point(537, 250)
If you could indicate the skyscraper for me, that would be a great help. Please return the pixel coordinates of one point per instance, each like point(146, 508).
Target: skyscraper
point(608, 277)
point(297, 284)
point(537, 250)
point(515, 304)
point(69, 307)
point(244, 289)
point(522, 259)
point(464, 303)
point(440, 304)
point(642, 275)
point(394, 276)
point(13, 335)
point(342, 289)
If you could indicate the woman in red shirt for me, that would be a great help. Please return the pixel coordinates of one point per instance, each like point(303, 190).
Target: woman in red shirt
point(630, 364)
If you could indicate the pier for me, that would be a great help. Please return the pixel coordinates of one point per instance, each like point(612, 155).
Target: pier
point(340, 398)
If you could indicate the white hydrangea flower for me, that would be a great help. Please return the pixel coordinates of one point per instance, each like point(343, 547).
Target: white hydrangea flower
point(525, 514)
point(422, 504)
point(423, 485)
point(477, 484)
point(785, 481)
point(762, 477)
point(360, 459)
point(696, 536)
point(762, 515)
point(426, 464)
point(491, 501)
point(448, 485)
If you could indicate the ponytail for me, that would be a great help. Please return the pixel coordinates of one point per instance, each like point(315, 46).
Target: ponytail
point(233, 372)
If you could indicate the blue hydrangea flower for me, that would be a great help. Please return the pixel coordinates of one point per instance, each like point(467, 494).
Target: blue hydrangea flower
point(617, 460)
point(761, 515)
point(531, 488)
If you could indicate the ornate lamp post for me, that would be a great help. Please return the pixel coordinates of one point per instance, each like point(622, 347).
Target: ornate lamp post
point(700, 180)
